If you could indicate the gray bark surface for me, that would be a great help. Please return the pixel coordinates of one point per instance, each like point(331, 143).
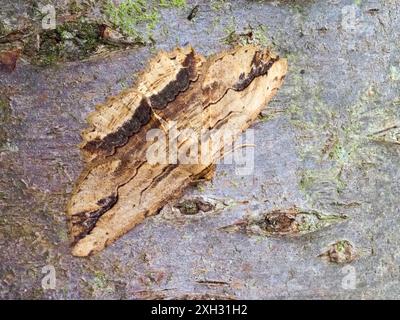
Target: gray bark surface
point(317, 148)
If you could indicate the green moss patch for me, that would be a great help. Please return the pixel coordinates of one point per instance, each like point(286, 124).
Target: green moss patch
point(138, 18)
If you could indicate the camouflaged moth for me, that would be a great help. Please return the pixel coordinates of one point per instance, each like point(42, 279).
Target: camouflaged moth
point(120, 186)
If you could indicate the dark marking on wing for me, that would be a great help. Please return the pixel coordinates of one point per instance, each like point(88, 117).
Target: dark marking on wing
point(141, 116)
point(181, 83)
point(84, 222)
point(259, 68)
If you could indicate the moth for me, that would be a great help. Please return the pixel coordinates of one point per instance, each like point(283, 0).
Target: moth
point(143, 147)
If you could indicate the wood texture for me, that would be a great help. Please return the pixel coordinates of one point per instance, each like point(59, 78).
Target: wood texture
point(181, 90)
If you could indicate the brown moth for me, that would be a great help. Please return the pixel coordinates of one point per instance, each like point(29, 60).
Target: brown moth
point(190, 100)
